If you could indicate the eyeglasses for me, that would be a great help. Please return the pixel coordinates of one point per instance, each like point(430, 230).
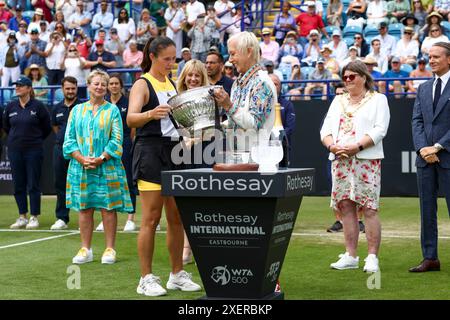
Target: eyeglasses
point(349, 77)
point(72, 50)
point(435, 30)
point(395, 62)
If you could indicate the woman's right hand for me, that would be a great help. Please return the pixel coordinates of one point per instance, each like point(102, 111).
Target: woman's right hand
point(85, 162)
point(159, 112)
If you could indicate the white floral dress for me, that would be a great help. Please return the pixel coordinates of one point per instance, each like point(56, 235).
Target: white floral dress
point(358, 180)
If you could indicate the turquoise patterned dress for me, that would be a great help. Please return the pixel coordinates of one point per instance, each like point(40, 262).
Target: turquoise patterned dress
point(105, 186)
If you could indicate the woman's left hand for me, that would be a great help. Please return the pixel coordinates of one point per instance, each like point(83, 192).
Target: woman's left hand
point(93, 163)
point(349, 150)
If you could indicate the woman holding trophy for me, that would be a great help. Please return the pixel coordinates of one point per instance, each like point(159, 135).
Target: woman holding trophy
point(156, 136)
point(250, 109)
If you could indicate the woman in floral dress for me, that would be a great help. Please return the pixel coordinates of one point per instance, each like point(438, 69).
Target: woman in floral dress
point(352, 132)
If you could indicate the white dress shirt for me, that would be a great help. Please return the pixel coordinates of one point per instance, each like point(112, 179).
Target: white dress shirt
point(444, 79)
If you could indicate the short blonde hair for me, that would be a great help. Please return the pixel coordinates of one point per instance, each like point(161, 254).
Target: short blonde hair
point(245, 40)
point(96, 73)
point(192, 66)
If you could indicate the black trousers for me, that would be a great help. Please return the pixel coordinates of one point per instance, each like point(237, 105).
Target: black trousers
point(55, 77)
point(26, 167)
point(127, 161)
point(60, 166)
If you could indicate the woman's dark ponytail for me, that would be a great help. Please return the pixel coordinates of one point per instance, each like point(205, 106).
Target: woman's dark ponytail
point(155, 46)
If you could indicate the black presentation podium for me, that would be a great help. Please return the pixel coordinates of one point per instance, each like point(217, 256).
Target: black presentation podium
point(239, 225)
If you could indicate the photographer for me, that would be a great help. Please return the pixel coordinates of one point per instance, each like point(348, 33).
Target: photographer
point(54, 53)
point(10, 56)
point(290, 46)
point(312, 49)
point(213, 24)
point(73, 66)
point(175, 19)
point(35, 50)
point(201, 38)
point(83, 43)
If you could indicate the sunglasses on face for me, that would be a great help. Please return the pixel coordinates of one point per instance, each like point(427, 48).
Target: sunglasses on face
point(357, 38)
point(435, 30)
point(72, 50)
point(408, 33)
point(349, 77)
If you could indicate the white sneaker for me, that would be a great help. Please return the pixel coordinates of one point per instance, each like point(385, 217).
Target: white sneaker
point(84, 255)
point(33, 223)
point(150, 286)
point(59, 225)
point(109, 256)
point(100, 227)
point(371, 264)
point(182, 281)
point(129, 226)
point(20, 223)
point(346, 261)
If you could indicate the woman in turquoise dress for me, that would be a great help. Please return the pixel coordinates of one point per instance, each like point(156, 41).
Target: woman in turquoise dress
point(96, 178)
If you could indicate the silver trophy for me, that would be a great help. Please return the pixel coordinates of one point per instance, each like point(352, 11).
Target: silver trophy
point(195, 109)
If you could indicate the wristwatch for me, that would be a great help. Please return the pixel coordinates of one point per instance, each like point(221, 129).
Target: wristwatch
point(438, 146)
point(103, 158)
point(360, 146)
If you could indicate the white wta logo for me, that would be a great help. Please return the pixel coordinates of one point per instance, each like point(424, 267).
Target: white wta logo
point(221, 275)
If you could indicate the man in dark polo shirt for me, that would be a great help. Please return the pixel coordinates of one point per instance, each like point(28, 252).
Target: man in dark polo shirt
point(214, 66)
point(59, 117)
point(100, 59)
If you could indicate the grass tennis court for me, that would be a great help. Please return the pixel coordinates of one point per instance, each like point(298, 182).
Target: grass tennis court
point(33, 264)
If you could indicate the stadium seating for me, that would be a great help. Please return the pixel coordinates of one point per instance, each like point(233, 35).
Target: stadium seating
point(406, 67)
point(350, 31)
point(396, 30)
point(370, 32)
point(306, 71)
point(330, 29)
point(446, 28)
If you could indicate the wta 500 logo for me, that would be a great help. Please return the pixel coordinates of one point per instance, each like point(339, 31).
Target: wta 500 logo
point(221, 275)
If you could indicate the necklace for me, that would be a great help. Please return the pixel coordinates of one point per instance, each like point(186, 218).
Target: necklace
point(348, 114)
point(357, 99)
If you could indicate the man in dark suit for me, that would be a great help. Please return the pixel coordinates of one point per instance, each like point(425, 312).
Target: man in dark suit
point(431, 135)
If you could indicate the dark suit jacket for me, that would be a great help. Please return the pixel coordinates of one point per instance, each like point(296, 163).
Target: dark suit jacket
point(287, 117)
point(429, 128)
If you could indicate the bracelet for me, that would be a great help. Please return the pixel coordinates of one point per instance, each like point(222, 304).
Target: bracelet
point(329, 147)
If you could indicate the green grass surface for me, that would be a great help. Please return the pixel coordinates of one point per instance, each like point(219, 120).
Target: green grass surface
point(39, 270)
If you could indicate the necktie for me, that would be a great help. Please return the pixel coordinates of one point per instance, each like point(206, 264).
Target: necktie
point(437, 93)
